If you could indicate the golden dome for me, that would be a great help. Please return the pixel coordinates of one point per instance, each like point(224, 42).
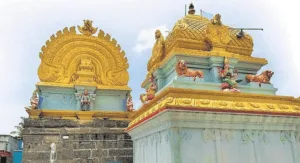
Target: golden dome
point(198, 33)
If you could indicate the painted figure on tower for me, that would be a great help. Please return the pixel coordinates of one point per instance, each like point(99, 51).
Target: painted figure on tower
point(34, 100)
point(158, 52)
point(85, 101)
point(150, 93)
point(129, 104)
point(229, 78)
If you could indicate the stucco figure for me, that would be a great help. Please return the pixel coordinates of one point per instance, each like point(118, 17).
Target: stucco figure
point(85, 101)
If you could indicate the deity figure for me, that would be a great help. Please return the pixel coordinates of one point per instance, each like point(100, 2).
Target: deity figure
point(129, 104)
point(158, 51)
point(52, 152)
point(150, 93)
point(229, 78)
point(85, 101)
point(216, 20)
point(34, 100)
point(87, 28)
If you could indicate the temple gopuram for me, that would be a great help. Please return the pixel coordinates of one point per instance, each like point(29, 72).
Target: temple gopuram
point(204, 100)
point(78, 112)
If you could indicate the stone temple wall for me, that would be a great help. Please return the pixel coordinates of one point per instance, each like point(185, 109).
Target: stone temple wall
point(98, 141)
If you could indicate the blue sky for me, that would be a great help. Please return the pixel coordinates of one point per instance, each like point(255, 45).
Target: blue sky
point(27, 24)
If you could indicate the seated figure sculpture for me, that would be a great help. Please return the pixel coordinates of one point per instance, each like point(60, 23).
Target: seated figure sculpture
point(34, 100)
point(150, 93)
point(229, 78)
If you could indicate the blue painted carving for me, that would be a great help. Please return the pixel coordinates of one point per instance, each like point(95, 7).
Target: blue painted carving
point(41, 98)
point(167, 76)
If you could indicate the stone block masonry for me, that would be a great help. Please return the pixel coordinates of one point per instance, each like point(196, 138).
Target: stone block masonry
point(97, 141)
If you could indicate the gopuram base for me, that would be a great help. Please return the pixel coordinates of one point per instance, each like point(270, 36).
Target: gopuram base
point(70, 141)
point(186, 136)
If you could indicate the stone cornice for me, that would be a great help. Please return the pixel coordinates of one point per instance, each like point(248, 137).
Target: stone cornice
point(216, 101)
point(183, 119)
point(81, 115)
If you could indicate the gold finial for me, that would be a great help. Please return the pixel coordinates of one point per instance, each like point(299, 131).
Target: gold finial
point(87, 28)
point(191, 9)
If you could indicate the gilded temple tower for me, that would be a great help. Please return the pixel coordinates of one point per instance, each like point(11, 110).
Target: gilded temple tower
point(79, 106)
point(203, 102)
point(210, 105)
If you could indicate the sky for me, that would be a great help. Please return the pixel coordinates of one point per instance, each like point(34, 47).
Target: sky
point(27, 24)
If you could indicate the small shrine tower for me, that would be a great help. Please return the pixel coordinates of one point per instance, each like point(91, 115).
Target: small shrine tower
point(205, 102)
point(80, 108)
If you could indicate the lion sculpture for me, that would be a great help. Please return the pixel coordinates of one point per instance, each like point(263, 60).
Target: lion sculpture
point(264, 77)
point(182, 70)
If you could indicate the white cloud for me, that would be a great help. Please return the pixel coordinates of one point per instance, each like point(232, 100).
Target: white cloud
point(146, 38)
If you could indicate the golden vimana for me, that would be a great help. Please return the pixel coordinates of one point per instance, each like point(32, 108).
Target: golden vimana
point(69, 58)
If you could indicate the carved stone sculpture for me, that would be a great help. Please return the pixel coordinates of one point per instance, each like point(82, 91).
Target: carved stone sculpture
point(129, 104)
point(264, 77)
point(87, 28)
point(85, 73)
point(71, 59)
point(150, 93)
point(52, 153)
point(229, 78)
point(217, 36)
point(216, 20)
point(34, 100)
point(85, 101)
point(182, 70)
point(158, 52)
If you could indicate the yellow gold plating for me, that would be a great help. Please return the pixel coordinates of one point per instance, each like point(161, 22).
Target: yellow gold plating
point(69, 58)
point(193, 32)
point(227, 101)
point(194, 35)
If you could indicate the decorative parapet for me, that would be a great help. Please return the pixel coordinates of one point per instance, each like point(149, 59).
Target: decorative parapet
point(215, 101)
point(81, 115)
point(200, 53)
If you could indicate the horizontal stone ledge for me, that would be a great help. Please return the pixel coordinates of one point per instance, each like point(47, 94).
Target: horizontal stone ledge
point(61, 123)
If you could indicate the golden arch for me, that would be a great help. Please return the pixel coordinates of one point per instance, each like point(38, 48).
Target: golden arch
point(69, 58)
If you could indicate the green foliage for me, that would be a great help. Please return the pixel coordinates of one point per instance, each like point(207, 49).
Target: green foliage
point(19, 131)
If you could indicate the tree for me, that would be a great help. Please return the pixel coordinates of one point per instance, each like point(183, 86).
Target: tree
point(20, 127)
